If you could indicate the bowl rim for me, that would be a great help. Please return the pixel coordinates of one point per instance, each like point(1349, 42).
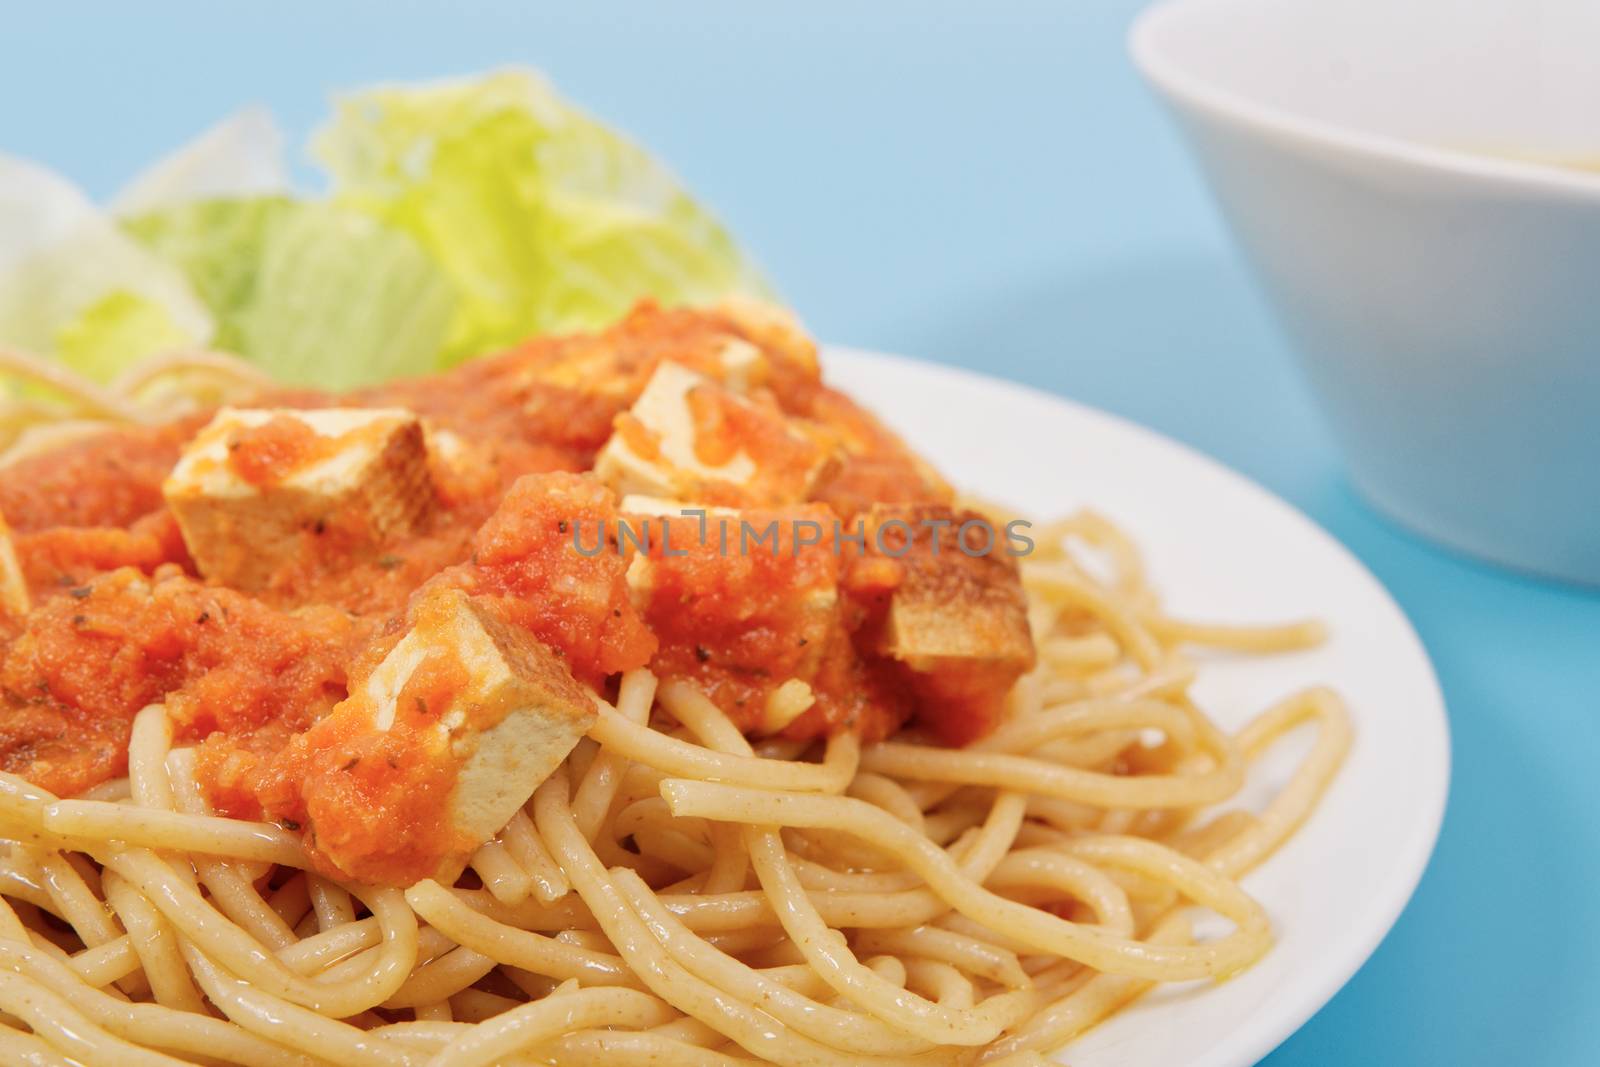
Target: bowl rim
point(1168, 75)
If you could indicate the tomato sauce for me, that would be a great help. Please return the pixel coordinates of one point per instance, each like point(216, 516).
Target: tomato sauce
point(62, 557)
point(740, 605)
point(726, 426)
point(88, 660)
point(121, 618)
point(271, 452)
point(876, 467)
point(106, 479)
point(528, 554)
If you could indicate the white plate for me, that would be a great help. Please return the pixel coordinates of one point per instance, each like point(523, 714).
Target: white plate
point(1221, 548)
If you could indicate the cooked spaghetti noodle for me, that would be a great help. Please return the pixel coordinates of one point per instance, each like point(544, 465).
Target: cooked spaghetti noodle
point(676, 893)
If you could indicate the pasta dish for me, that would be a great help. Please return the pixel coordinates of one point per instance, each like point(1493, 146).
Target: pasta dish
point(627, 697)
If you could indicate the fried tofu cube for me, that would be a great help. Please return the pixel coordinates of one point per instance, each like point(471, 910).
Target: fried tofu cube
point(776, 330)
point(689, 438)
point(742, 365)
point(610, 370)
point(257, 488)
point(955, 617)
point(572, 388)
point(465, 698)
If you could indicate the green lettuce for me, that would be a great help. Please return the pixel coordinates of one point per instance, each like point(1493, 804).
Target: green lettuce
point(115, 332)
point(218, 245)
point(316, 294)
point(462, 218)
point(74, 285)
point(542, 218)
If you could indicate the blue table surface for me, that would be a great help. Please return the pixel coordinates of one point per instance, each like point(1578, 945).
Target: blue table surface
point(990, 186)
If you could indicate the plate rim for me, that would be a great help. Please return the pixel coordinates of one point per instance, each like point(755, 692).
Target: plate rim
point(1391, 898)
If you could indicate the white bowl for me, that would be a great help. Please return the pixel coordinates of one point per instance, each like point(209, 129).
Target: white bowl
point(1379, 164)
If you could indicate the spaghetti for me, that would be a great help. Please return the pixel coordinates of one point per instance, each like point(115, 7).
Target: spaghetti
point(676, 893)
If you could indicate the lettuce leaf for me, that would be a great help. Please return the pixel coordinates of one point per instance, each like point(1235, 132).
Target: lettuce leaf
point(69, 273)
point(218, 245)
point(463, 217)
point(241, 156)
point(317, 295)
point(342, 300)
point(115, 332)
point(542, 218)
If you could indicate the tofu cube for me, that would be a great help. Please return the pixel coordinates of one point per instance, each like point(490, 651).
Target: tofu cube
point(758, 456)
point(956, 619)
point(257, 488)
point(777, 331)
point(609, 370)
point(741, 365)
point(504, 716)
point(574, 387)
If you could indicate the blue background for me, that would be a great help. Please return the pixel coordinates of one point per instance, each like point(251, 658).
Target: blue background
point(994, 189)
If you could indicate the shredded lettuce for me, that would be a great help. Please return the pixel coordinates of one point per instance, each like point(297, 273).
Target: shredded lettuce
point(542, 218)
